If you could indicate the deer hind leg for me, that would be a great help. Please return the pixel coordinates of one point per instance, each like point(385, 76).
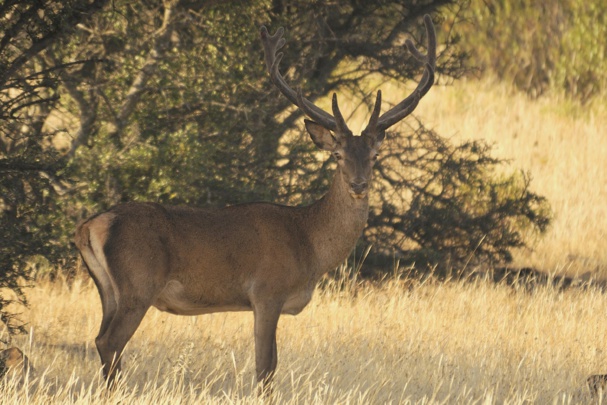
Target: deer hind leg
point(121, 317)
point(118, 332)
point(119, 321)
point(90, 239)
point(135, 289)
point(105, 288)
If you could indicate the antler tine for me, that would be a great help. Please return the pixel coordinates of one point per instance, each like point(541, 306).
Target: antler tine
point(397, 113)
point(318, 115)
point(339, 119)
point(406, 106)
point(430, 57)
point(374, 115)
point(271, 44)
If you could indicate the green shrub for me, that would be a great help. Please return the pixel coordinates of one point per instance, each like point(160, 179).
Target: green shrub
point(540, 45)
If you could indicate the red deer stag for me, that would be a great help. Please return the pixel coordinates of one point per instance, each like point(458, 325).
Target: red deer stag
point(260, 257)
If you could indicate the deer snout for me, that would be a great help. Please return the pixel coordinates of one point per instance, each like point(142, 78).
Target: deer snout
point(359, 187)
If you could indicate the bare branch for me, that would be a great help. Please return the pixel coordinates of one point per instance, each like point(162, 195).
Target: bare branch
point(88, 109)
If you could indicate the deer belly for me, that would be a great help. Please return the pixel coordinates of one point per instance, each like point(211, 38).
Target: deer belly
point(175, 300)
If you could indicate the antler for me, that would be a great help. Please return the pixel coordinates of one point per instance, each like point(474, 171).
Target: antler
point(401, 110)
point(336, 122)
point(271, 45)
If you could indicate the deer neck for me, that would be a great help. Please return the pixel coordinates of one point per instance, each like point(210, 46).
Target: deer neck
point(335, 223)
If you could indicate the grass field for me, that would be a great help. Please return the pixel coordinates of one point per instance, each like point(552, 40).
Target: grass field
point(400, 342)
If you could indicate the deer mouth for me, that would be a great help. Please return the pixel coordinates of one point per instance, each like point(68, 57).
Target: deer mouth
point(358, 196)
point(359, 190)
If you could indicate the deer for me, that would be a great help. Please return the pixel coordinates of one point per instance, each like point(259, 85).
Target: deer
point(261, 257)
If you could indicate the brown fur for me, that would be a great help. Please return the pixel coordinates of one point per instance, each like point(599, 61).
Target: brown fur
point(13, 361)
point(597, 384)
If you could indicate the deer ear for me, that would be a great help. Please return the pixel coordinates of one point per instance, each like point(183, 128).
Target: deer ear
point(321, 136)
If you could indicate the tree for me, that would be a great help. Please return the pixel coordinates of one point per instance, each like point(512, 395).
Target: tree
point(28, 166)
point(181, 110)
point(169, 101)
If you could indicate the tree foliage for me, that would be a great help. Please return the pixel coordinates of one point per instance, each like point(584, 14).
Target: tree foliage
point(541, 45)
point(28, 162)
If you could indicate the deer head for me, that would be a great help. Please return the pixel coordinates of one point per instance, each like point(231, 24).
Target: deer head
point(355, 155)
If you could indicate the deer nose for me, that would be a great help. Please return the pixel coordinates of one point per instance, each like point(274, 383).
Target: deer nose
point(359, 187)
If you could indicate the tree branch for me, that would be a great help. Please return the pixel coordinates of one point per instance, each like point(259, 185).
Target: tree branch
point(161, 38)
point(88, 108)
point(70, 19)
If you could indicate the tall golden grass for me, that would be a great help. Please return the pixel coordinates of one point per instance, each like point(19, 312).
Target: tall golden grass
point(419, 342)
point(401, 342)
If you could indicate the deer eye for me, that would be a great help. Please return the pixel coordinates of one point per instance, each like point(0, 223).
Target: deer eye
point(337, 156)
point(375, 156)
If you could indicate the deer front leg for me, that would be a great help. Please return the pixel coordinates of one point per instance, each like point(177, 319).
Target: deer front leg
point(266, 356)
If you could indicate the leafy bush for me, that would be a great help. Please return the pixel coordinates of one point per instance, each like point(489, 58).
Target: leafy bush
point(540, 45)
point(450, 205)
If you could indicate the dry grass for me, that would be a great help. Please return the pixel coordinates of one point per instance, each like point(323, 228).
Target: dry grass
point(421, 343)
point(400, 342)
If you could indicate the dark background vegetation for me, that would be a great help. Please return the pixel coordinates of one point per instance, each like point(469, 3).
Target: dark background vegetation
point(103, 102)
